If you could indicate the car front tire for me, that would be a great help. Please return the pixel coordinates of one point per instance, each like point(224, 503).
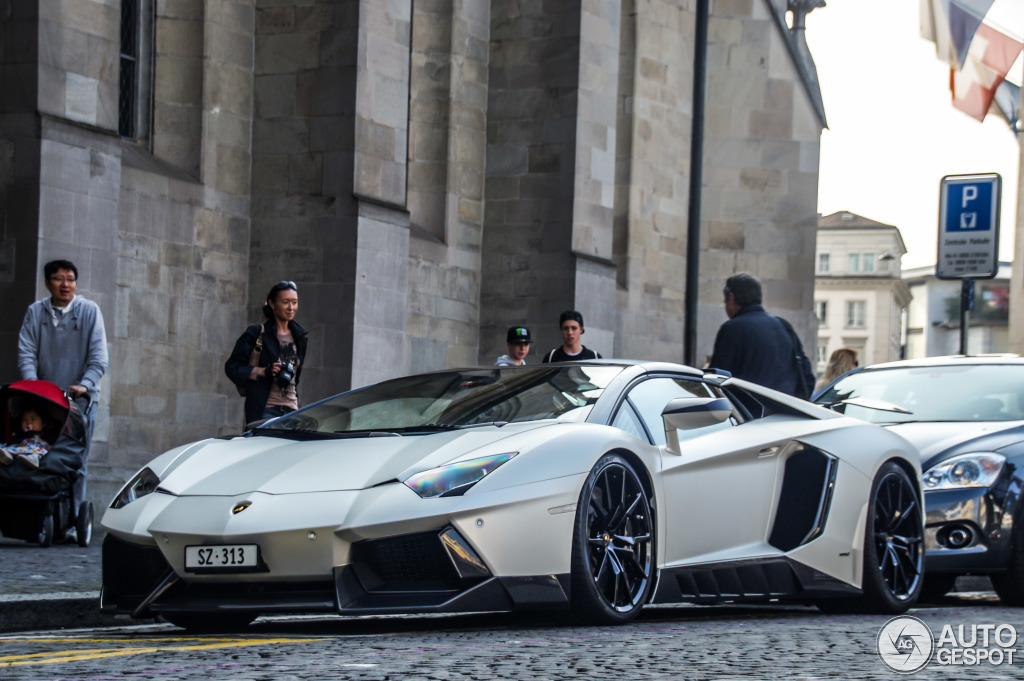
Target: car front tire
point(613, 544)
point(893, 573)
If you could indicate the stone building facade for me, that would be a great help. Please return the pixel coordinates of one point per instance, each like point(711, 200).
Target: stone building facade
point(429, 172)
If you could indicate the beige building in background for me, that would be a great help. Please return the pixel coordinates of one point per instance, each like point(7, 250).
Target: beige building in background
point(859, 297)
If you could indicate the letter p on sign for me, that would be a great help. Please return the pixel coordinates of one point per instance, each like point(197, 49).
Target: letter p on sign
point(970, 193)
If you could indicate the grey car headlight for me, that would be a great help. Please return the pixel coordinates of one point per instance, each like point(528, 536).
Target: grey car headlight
point(968, 470)
point(454, 479)
point(145, 482)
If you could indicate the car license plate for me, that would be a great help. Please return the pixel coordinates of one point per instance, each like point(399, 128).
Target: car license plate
point(220, 556)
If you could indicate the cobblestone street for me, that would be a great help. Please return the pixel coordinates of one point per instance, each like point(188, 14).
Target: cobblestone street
point(667, 643)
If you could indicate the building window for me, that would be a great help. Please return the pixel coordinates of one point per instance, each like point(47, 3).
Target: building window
point(823, 263)
point(862, 262)
point(128, 97)
point(134, 85)
point(822, 357)
point(855, 314)
point(821, 312)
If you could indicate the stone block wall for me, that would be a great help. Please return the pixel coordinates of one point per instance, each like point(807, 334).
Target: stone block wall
point(78, 62)
point(303, 211)
point(447, 132)
point(531, 156)
point(655, 102)
point(759, 211)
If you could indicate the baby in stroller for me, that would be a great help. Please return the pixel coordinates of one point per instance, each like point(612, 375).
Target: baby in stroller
point(28, 446)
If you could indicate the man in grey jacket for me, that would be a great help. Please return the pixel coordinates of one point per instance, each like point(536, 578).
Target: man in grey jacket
point(62, 340)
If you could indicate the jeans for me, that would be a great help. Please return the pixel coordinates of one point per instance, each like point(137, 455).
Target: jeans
point(87, 408)
point(274, 412)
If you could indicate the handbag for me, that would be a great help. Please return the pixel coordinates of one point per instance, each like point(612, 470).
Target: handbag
point(254, 360)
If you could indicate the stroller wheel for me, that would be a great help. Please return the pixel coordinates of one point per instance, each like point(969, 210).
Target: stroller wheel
point(83, 523)
point(45, 537)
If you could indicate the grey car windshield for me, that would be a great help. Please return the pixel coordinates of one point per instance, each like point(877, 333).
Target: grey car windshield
point(456, 399)
point(962, 392)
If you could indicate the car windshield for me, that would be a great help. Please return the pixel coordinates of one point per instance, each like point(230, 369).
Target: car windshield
point(962, 392)
point(456, 399)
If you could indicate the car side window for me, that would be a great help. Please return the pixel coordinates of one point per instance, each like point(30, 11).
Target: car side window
point(627, 420)
point(651, 396)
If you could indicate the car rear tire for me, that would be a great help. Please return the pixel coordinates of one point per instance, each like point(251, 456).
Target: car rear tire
point(1010, 584)
point(893, 548)
point(613, 544)
point(210, 622)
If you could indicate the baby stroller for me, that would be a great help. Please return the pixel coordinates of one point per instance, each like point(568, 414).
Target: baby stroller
point(35, 503)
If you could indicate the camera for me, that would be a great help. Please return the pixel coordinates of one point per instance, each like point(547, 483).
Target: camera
point(286, 375)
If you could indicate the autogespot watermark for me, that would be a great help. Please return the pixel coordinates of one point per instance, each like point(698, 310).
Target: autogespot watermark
point(906, 645)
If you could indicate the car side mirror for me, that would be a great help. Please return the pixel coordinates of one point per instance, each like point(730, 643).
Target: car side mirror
point(687, 413)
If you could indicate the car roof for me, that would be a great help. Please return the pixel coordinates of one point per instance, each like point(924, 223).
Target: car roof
point(950, 360)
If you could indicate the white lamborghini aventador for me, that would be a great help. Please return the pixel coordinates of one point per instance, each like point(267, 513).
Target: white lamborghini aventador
point(593, 486)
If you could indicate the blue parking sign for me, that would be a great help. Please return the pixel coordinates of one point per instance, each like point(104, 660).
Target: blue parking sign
point(968, 226)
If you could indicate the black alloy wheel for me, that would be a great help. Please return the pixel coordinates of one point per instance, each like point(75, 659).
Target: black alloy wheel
point(893, 568)
point(898, 534)
point(613, 544)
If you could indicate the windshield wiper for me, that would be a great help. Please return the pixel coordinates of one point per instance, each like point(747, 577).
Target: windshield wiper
point(866, 403)
point(422, 428)
point(444, 427)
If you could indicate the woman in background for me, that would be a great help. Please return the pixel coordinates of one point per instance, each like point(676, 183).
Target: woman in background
point(266, 362)
point(841, 361)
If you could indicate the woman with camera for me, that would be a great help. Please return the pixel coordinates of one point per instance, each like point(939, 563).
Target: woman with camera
point(267, 359)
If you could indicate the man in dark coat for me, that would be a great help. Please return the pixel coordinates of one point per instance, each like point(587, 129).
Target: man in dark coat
point(756, 346)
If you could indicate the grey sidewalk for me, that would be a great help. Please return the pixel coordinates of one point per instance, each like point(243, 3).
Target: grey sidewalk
point(51, 588)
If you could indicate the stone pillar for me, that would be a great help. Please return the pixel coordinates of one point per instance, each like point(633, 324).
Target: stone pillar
point(447, 133)
point(762, 143)
point(550, 172)
point(329, 187)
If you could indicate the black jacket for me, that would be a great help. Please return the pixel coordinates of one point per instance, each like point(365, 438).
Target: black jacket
point(237, 367)
point(757, 347)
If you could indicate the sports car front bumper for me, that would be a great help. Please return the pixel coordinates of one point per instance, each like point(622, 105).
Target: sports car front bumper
point(415, 573)
point(369, 551)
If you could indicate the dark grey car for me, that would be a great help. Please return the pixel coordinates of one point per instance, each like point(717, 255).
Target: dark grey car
point(966, 416)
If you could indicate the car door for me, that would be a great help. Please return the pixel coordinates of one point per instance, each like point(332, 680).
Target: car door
point(718, 493)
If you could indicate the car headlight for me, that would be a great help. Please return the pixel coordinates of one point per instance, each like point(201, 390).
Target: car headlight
point(454, 479)
point(145, 482)
point(968, 470)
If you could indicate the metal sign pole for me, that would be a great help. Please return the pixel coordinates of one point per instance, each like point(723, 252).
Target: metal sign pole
point(966, 293)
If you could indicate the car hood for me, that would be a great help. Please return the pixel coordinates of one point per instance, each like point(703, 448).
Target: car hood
point(937, 441)
point(276, 465)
